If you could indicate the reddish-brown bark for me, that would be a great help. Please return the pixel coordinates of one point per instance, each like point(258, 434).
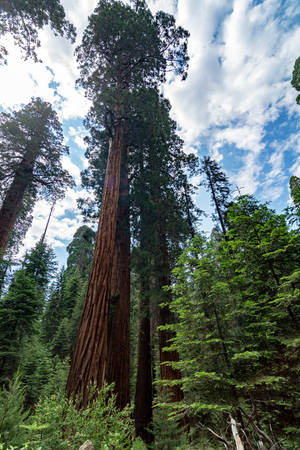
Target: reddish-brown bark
point(13, 199)
point(118, 363)
point(144, 391)
point(167, 372)
point(89, 360)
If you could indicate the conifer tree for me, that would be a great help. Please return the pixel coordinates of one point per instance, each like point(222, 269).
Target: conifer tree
point(22, 305)
point(237, 310)
point(80, 250)
point(31, 143)
point(158, 199)
point(22, 20)
point(19, 310)
point(217, 184)
point(123, 50)
point(64, 304)
point(294, 211)
point(296, 78)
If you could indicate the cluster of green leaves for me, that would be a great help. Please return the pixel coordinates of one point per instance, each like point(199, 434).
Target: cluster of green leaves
point(237, 302)
point(22, 305)
point(296, 78)
point(23, 19)
point(33, 136)
point(64, 304)
point(57, 423)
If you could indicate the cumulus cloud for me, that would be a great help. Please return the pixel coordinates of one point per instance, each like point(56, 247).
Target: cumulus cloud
point(71, 168)
point(54, 79)
point(242, 56)
point(63, 224)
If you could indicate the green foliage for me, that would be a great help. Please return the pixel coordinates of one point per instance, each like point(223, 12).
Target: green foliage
point(40, 263)
point(22, 20)
point(294, 211)
point(132, 48)
point(36, 369)
point(237, 302)
point(80, 250)
point(101, 423)
point(296, 78)
point(64, 304)
point(19, 310)
point(38, 165)
point(166, 429)
point(12, 414)
point(217, 184)
point(56, 423)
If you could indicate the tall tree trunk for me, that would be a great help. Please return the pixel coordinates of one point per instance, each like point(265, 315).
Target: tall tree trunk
point(144, 390)
point(167, 372)
point(89, 358)
point(13, 199)
point(118, 362)
point(221, 220)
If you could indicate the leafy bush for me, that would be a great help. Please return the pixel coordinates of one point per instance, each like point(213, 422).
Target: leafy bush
point(12, 414)
point(101, 422)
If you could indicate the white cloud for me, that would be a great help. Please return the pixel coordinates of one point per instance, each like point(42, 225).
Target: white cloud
point(63, 224)
point(27, 79)
point(239, 78)
point(71, 168)
point(242, 58)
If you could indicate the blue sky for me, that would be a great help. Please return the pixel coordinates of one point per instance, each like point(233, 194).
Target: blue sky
point(237, 104)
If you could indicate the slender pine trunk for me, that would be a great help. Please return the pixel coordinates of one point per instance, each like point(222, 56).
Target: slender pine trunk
point(118, 364)
point(89, 360)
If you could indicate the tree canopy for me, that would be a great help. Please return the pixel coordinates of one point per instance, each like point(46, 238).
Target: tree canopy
point(22, 20)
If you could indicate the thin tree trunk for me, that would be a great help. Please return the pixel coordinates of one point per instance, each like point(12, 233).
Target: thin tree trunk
point(13, 199)
point(118, 364)
point(144, 390)
point(217, 205)
point(89, 358)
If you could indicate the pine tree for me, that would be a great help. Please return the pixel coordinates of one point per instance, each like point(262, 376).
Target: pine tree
point(22, 306)
point(237, 307)
point(64, 304)
point(294, 210)
point(52, 314)
point(22, 20)
point(19, 310)
point(217, 184)
point(80, 250)
point(31, 149)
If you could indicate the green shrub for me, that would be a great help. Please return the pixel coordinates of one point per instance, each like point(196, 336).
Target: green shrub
point(101, 422)
point(12, 414)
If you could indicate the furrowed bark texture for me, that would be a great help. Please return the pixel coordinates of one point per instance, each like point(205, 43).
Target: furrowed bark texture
point(89, 358)
point(144, 391)
point(167, 372)
point(13, 199)
point(118, 364)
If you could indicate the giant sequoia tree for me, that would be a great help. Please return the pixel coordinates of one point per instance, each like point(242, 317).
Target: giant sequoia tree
point(123, 50)
point(159, 196)
point(31, 144)
point(23, 19)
